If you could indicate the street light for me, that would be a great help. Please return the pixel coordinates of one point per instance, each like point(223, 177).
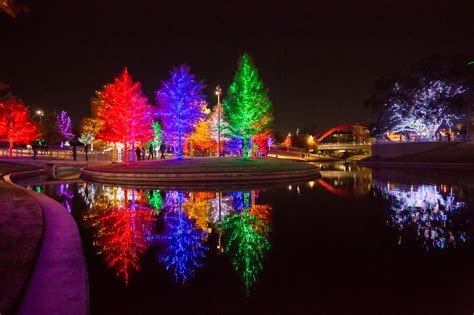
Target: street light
point(40, 113)
point(218, 93)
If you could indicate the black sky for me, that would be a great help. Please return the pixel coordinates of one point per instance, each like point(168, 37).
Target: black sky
point(318, 60)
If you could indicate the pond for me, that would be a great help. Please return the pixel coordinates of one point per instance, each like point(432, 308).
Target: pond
point(354, 240)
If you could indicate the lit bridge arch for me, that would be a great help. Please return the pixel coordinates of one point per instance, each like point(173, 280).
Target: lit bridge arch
point(350, 136)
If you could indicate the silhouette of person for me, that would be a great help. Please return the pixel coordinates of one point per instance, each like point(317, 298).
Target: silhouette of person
point(138, 152)
point(162, 150)
point(151, 152)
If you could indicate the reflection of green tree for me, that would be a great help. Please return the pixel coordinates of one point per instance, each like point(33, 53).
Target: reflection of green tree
point(247, 241)
point(155, 200)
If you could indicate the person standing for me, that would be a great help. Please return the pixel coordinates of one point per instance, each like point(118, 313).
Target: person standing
point(151, 152)
point(162, 151)
point(138, 151)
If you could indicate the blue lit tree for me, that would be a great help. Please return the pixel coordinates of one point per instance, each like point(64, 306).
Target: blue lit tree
point(184, 247)
point(180, 101)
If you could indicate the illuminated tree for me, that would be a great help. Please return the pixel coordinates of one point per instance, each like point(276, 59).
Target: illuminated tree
point(261, 140)
point(126, 115)
point(157, 134)
point(247, 241)
point(421, 108)
point(180, 101)
point(89, 129)
point(234, 146)
point(15, 124)
point(11, 8)
point(217, 125)
point(64, 125)
point(183, 248)
point(247, 106)
point(201, 138)
point(269, 142)
point(287, 142)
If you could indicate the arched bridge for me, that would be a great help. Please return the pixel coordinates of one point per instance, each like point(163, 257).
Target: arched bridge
point(346, 137)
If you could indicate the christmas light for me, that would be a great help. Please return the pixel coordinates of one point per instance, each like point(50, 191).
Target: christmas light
point(247, 106)
point(439, 220)
point(125, 113)
point(15, 124)
point(180, 101)
point(183, 246)
point(64, 123)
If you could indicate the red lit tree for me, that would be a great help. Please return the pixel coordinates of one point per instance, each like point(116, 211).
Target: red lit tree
point(126, 115)
point(261, 140)
point(15, 124)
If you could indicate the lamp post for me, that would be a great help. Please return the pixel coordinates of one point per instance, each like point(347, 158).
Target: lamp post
point(40, 113)
point(218, 93)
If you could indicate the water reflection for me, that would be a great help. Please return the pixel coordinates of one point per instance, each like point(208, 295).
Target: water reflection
point(125, 223)
point(247, 237)
point(439, 220)
point(122, 227)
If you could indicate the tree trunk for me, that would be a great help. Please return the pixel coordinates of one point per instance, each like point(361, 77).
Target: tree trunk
point(92, 146)
point(245, 149)
point(125, 153)
point(132, 156)
point(114, 153)
point(180, 147)
point(10, 148)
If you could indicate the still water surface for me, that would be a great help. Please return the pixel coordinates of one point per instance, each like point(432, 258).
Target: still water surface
point(354, 241)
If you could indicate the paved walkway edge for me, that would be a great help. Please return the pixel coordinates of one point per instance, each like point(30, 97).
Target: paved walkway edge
point(59, 281)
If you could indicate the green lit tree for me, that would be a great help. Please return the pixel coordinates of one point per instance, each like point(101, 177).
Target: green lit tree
point(157, 134)
point(247, 108)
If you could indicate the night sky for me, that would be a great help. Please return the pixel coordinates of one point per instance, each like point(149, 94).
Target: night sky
point(319, 61)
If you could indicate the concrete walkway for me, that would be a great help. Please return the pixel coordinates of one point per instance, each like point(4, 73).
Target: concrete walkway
point(59, 283)
point(21, 229)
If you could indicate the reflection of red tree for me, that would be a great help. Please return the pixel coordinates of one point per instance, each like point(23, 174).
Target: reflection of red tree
point(122, 235)
point(123, 239)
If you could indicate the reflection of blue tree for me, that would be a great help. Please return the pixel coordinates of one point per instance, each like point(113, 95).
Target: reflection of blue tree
point(183, 243)
point(438, 219)
point(238, 198)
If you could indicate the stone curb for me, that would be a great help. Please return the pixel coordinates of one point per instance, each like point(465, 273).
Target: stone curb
point(59, 281)
point(147, 178)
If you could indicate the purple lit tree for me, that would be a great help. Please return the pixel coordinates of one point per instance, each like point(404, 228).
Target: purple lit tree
point(180, 101)
point(64, 124)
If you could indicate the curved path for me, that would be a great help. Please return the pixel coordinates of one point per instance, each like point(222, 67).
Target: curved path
point(201, 170)
point(59, 283)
